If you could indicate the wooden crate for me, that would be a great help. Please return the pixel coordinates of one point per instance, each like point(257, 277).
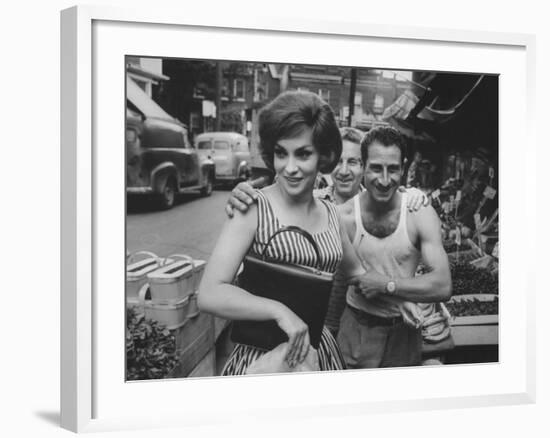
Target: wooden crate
point(193, 342)
point(206, 367)
point(476, 329)
point(219, 325)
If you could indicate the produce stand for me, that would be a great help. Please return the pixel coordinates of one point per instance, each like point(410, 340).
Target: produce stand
point(474, 310)
point(195, 347)
point(467, 205)
point(167, 299)
point(475, 329)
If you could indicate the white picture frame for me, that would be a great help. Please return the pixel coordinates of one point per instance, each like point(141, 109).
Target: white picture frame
point(93, 398)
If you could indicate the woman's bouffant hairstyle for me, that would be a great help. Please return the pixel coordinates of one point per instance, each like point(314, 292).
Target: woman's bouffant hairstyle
point(386, 136)
point(288, 115)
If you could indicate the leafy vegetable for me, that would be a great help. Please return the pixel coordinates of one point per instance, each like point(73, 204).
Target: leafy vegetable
point(150, 348)
point(468, 279)
point(451, 246)
point(472, 307)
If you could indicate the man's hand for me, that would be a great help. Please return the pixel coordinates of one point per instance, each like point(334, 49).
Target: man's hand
point(416, 198)
point(411, 313)
point(242, 196)
point(370, 284)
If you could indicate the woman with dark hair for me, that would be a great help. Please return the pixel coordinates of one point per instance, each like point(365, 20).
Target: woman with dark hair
point(298, 138)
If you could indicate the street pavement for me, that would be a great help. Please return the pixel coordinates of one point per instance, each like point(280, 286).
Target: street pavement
point(191, 227)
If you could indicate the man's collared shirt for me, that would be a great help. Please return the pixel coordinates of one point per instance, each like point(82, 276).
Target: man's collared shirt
point(327, 193)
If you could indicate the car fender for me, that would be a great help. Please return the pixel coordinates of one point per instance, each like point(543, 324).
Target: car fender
point(208, 166)
point(160, 173)
point(243, 168)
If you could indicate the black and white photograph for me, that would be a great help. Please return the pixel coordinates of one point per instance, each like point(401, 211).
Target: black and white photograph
point(308, 218)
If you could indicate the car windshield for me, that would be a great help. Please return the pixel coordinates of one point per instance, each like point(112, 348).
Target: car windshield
point(241, 147)
point(205, 145)
point(221, 145)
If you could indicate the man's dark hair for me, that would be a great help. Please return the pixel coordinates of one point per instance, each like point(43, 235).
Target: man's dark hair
point(386, 136)
point(288, 115)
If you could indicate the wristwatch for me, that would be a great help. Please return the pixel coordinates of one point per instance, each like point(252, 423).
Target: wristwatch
point(391, 287)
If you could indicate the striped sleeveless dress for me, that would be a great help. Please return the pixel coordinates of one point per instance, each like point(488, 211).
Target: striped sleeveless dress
point(293, 248)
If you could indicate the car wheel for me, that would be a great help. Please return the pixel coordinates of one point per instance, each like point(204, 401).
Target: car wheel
point(208, 187)
point(167, 197)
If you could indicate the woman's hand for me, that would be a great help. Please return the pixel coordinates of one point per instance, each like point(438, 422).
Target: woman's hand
point(298, 335)
point(411, 314)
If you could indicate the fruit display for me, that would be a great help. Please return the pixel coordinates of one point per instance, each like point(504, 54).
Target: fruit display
point(466, 202)
point(452, 246)
point(467, 279)
point(473, 307)
point(435, 322)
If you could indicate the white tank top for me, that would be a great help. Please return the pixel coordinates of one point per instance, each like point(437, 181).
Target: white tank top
point(393, 256)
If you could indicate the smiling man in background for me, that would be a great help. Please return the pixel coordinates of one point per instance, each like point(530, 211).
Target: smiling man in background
point(348, 173)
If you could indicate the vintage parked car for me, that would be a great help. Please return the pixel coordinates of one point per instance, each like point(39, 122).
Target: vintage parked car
point(230, 152)
point(161, 161)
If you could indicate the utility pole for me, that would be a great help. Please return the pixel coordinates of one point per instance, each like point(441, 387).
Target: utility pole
point(351, 107)
point(219, 82)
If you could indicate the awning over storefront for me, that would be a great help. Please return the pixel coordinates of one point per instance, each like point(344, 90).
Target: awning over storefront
point(458, 110)
point(402, 107)
point(143, 103)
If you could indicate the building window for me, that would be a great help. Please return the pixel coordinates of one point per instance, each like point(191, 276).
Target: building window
point(378, 103)
point(238, 89)
point(141, 84)
point(324, 94)
point(358, 104)
point(198, 91)
point(194, 122)
point(225, 89)
point(131, 136)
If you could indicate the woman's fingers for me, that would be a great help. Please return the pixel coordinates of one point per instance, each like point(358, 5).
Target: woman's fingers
point(297, 350)
point(298, 347)
point(305, 347)
point(296, 331)
point(291, 348)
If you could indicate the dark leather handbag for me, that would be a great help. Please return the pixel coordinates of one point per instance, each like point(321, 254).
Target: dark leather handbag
point(305, 290)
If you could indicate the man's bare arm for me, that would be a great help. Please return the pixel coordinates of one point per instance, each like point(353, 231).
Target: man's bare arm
point(431, 287)
point(435, 285)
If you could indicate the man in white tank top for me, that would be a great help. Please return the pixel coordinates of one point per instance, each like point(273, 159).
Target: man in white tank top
point(377, 328)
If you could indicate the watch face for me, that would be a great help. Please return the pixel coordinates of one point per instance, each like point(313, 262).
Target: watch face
point(390, 287)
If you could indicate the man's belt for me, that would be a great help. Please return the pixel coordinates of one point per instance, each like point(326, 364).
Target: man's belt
point(371, 320)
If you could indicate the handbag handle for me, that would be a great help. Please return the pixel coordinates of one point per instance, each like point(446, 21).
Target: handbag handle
point(300, 231)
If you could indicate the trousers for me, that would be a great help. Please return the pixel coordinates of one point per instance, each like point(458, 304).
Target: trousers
point(366, 344)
